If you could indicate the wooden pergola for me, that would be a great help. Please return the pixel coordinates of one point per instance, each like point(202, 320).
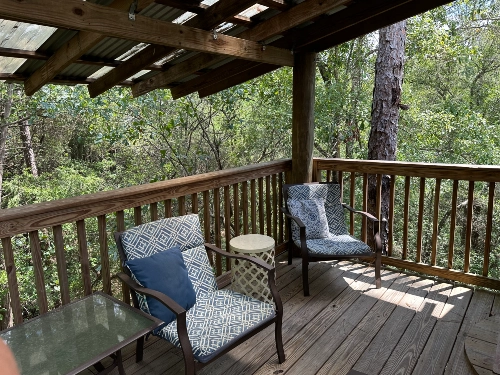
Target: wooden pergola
point(189, 46)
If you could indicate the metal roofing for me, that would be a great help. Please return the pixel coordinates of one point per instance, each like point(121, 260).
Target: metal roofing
point(355, 17)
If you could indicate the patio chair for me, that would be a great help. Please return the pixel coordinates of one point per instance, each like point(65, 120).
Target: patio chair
point(315, 219)
point(173, 280)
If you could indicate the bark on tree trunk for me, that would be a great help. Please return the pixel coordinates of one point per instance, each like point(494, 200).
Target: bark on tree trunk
point(3, 133)
point(29, 155)
point(385, 111)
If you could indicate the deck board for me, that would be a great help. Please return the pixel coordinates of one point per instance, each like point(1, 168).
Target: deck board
point(412, 325)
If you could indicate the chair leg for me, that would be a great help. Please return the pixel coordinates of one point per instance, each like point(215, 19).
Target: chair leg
point(279, 339)
point(305, 276)
point(139, 349)
point(378, 265)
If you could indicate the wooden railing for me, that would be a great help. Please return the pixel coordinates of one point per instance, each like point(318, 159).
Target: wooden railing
point(441, 222)
point(442, 219)
point(230, 202)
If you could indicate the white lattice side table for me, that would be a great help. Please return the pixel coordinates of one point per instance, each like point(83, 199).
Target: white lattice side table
point(247, 277)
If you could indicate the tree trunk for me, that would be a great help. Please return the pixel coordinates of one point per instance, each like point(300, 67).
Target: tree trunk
point(29, 155)
point(382, 144)
point(4, 129)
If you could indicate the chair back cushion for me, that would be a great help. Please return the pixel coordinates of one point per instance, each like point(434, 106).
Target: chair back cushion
point(333, 207)
point(184, 232)
point(312, 213)
point(165, 272)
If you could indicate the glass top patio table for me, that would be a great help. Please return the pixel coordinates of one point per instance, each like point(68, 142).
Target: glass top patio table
point(73, 337)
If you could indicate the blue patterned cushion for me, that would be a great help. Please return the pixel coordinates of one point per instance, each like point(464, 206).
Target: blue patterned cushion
point(164, 272)
point(337, 245)
point(217, 319)
point(312, 213)
point(333, 208)
point(183, 231)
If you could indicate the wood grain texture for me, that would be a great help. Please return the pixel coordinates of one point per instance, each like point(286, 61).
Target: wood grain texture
point(194, 203)
point(352, 203)
point(453, 216)
point(244, 188)
point(31, 217)
point(61, 264)
point(468, 232)
point(181, 205)
point(73, 14)
point(406, 217)
point(236, 203)
point(217, 230)
point(489, 226)
point(103, 250)
point(153, 211)
point(420, 219)
point(10, 269)
point(138, 215)
point(262, 223)
point(36, 257)
point(435, 221)
point(269, 208)
point(390, 223)
point(253, 206)
point(84, 256)
point(168, 208)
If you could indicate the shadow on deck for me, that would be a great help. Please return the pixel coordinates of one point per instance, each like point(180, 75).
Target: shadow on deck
point(411, 325)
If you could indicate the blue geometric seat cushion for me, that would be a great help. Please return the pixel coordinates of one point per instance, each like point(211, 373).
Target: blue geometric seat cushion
point(312, 213)
point(217, 319)
point(344, 244)
point(333, 208)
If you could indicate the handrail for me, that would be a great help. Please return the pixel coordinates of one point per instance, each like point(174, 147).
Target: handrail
point(48, 214)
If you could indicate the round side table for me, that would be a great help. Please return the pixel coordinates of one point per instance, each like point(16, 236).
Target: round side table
point(247, 278)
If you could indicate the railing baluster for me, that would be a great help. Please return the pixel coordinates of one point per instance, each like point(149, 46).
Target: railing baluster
point(352, 203)
point(218, 241)
point(84, 256)
point(194, 203)
point(62, 272)
point(268, 206)
point(36, 256)
point(153, 209)
point(168, 208)
point(453, 217)
point(244, 187)
point(103, 248)
point(328, 175)
point(420, 224)
point(253, 206)
point(275, 208)
point(261, 206)
point(120, 227)
point(280, 199)
point(406, 217)
point(378, 198)
point(341, 185)
point(468, 234)
point(364, 225)
point(435, 222)
point(206, 222)
point(489, 227)
point(227, 222)
point(390, 219)
point(10, 269)
point(181, 202)
point(137, 215)
point(236, 202)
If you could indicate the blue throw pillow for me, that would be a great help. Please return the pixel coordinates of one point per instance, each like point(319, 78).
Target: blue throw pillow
point(164, 272)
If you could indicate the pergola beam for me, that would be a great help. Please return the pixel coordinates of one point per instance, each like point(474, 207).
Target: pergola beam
point(35, 55)
point(101, 20)
point(58, 80)
point(295, 16)
point(212, 17)
point(71, 51)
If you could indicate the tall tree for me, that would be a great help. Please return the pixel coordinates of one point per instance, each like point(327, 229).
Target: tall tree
point(4, 128)
point(382, 143)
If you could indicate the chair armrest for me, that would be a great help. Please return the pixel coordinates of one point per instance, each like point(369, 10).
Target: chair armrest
point(363, 213)
point(163, 298)
point(258, 262)
point(294, 218)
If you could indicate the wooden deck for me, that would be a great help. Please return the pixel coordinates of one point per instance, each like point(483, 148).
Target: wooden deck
point(411, 325)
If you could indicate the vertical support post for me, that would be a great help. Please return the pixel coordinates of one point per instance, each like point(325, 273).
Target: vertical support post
point(304, 73)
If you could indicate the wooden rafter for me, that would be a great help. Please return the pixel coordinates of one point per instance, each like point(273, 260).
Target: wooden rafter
point(35, 55)
point(86, 16)
point(276, 25)
point(297, 15)
point(212, 17)
point(58, 80)
point(71, 51)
